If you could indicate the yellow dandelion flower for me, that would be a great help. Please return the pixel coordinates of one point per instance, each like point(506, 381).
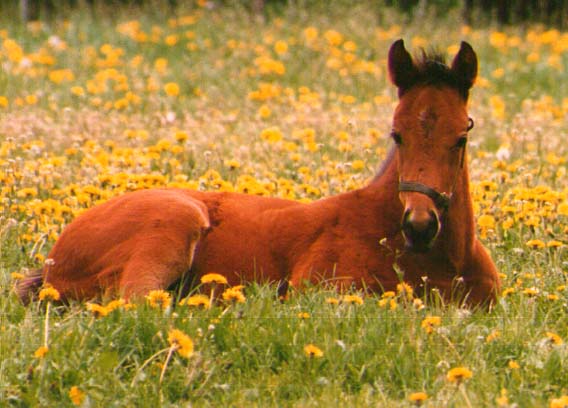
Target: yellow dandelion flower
point(486, 221)
point(78, 90)
point(502, 400)
point(198, 300)
point(494, 335)
point(281, 47)
point(561, 402)
point(418, 397)
point(303, 315)
point(235, 296)
point(554, 244)
point(181, 342)
point(405, 290)
point(513, 365)
point(171, 89)
point(115, 304)
point(97, 310)
point(535, 243)
point(17, 275)
point(352, 299)
point(554, 338)
point(181, 136)
point(459, 374)
point(49, 293)
point(313, 351)
point(332, 301)
point(159, 299)
point(553, 297)
point(388, 294)
point(41, 352)
point(264, 112)
point(76, 395)
point(530, 292)
point(431, 322)
point(507, 292)
point(214, 278)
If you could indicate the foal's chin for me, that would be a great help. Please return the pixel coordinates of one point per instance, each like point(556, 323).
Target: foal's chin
point(418, 246)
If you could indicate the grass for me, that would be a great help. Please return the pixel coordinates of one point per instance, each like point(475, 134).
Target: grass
point(71, 139)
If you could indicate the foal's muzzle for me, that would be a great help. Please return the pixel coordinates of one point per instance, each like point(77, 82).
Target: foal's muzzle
point(420, 229)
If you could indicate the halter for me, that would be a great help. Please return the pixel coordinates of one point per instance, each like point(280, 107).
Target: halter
point(441, 200)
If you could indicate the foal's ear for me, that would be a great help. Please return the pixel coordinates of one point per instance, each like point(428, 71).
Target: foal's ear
point(402, 71)
point(465, 65)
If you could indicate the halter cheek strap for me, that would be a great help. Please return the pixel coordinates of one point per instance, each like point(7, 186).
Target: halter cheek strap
point(441, 200)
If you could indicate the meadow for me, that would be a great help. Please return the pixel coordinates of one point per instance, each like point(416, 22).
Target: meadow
point(296, 105)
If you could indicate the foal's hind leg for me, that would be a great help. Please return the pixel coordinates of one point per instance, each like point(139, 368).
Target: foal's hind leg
point(157, 265)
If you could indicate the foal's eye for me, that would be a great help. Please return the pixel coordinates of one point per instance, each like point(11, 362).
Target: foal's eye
point(461, 142)
point(396, 137)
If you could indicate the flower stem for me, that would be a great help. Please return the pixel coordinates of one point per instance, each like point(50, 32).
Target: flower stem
point(46, 326)
point(170, 352)
point(465, 397)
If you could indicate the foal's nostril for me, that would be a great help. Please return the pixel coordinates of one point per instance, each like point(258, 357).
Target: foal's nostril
point(420, 229)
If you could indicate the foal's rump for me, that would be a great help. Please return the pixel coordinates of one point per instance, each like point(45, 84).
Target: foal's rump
point(129, 245)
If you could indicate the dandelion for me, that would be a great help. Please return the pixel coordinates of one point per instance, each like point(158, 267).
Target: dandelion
point(214, 278)
point(561, 402)
point(264, 112)
point(97, 310)
point(303, 315)
point(513, 365)
point(405, 290)
point(198, 300)
point(313, 351)
point(332, 301)
point(352, 299)
point(502, 400)
point(430, 323)
point(530, 292)
point(418, 397)
point(159, 299)
point(554, 338)
point(507, 292)
point(181, 342)
point(458, 375)
point(171, 89)
point(234, 296)
point(281, 47)
point(181, 137)
point(535, 243)
point(49, 293)
point(115, 304)
point(17, 276)
point(41, 352)
point(494, 335)
point(76, 395)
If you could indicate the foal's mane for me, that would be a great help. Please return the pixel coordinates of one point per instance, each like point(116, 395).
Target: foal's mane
point(432, 70)
point(384, 165)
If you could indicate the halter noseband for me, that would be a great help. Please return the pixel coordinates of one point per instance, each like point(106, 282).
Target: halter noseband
point(441, 200)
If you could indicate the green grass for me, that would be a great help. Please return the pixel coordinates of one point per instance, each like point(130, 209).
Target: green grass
point(79, 150)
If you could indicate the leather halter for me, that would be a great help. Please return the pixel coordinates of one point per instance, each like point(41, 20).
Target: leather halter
point(441, 200)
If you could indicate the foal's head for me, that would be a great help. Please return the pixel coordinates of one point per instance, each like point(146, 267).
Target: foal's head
point(430, 128)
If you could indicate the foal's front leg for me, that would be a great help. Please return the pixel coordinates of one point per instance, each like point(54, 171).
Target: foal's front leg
point(481, 277)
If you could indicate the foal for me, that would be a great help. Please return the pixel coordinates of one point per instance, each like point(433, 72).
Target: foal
point(414, 222)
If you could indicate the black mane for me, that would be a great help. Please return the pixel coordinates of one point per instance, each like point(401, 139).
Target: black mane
point(431, 69)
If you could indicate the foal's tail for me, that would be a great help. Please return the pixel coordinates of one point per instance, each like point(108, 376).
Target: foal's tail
point(28, 287)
